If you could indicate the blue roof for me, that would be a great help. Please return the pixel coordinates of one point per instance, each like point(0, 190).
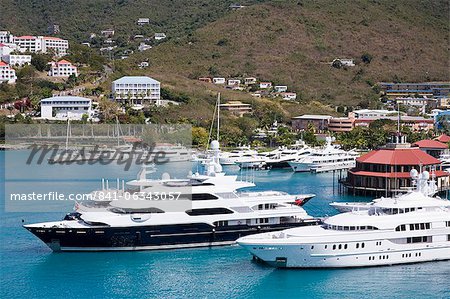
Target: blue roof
point(67, 98)
point(136, 80)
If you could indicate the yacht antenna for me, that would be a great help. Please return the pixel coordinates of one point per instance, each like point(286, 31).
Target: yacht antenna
point(67, 133)
point(398, 120)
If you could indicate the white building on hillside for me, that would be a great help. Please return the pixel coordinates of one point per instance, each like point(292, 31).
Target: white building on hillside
point(137, 90)
point(280, 88)
point(64, 107)
point(42, 44)
point(6, 37)
point(160, 36)
point(7, 74)
point(370, 113)
point(17, 60)
point(5, 49)
point(62, 68)
point(218, 80)
point(344, 61)
point(143, 21)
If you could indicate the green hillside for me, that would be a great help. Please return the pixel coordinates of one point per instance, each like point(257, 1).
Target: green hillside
point(77, 19)
point(290, 42)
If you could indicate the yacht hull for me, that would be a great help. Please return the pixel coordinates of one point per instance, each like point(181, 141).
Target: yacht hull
point(150, 237)
point(302, 256)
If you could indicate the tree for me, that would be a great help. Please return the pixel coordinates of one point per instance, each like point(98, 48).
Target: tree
point(109, 109)
point(366, 58)
point(40, 61)
point(199, 136)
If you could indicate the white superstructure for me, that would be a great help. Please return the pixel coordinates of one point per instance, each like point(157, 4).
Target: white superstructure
point(413, 227)
point(327, 159)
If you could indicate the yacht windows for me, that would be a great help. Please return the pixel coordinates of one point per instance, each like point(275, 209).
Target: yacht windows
point(203, 196)
point(447, 223)
point(263, 220)
point(338, 227)
point(136, 211)
point(357, 245)
point(423, 239)
point(221, 223)
point(208, 211)
point(418, 226)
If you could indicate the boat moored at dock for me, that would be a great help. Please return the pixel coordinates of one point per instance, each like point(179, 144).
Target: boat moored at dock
point(413, 227)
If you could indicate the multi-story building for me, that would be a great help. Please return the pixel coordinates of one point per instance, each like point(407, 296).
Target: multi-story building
point(320, 122)
point(42, 44)
point(370, 113)
point(64, 107)
point(6, 37)
point(415, 123)
point(62, 68)
point(6, 49)
point(19, 60)
point(340, 124)
point(428, 89)
point(7, 74)
point(137, 90)
point(236, 107)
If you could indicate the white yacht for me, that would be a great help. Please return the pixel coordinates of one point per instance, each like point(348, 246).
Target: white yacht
point(413, 227)
point(216, 214)
point(327, 159)
point(295, 152)
point(230, 158)
point(258, 160)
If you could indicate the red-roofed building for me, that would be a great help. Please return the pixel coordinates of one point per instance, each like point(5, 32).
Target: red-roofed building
point(62, 68)
point(386, 171)
point(431, 147)
point(42, 44)
point(443, 138)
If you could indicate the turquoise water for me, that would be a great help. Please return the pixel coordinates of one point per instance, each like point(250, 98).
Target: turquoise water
point(30, 270)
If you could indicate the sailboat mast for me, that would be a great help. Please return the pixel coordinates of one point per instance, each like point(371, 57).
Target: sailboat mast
point(218, 116)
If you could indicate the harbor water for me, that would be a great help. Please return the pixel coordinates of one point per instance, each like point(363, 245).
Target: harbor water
point(29, 269)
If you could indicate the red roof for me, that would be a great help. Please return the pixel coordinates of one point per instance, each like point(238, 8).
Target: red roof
point(398, 156)
point(3, 63)
point(26, 37)
point(2, 45)
point(64, 62)
point(443, 138)
point(427, 143)
point(400, 175)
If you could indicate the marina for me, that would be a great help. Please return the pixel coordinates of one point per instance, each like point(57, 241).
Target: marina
point(169, 272)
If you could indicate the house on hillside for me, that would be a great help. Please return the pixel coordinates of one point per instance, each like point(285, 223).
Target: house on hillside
point(249, 80)
point(344, 61)
point(7, 74)
point(237, 108)
point(265, 85)
point(205, 79)
point(280, 88)
point(107, 33)
point(234, 82)
point(160, 36)
point(219, 80)
point(143, 21)
point(62, 68)
point(288, 96)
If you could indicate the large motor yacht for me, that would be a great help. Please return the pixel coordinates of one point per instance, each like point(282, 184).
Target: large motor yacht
point(327, 159)
point(297, 151)
point(413, 227)
point(217, 214)
point(230, 158)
